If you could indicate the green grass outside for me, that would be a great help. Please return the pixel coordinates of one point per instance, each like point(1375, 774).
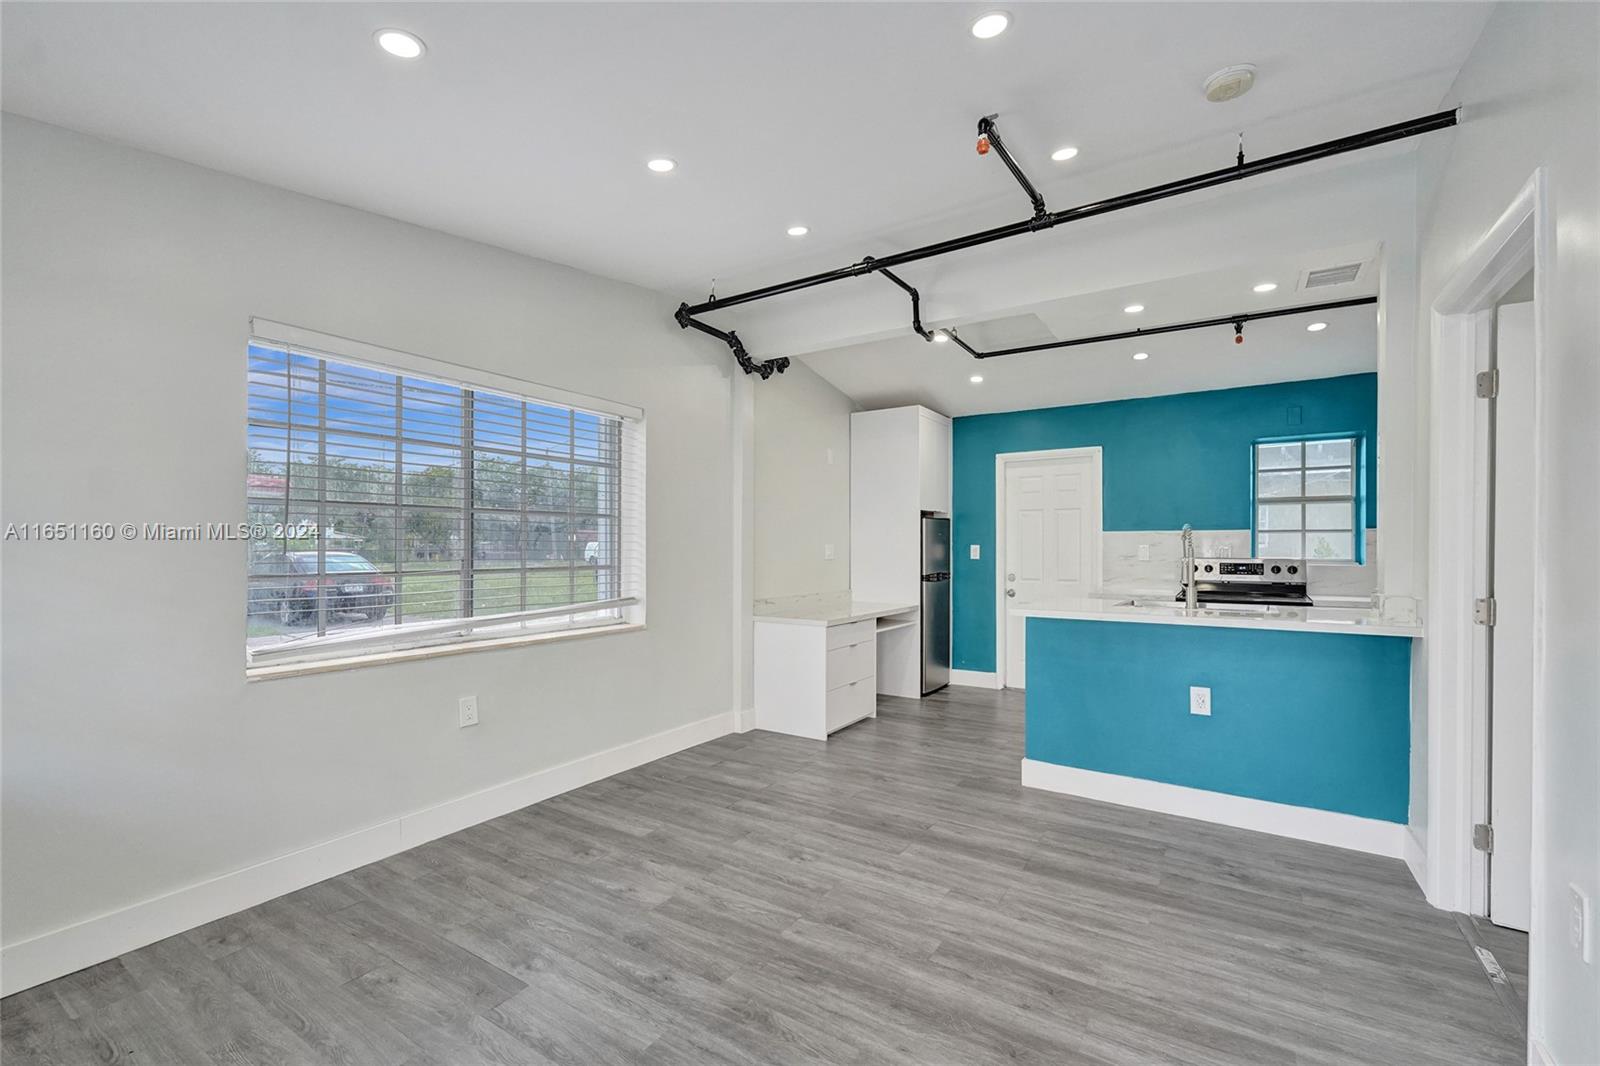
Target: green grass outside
point(432, 595)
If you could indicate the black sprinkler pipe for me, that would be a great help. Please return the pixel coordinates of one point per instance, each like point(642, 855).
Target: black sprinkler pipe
point(1398, 131)
point(1237, 321)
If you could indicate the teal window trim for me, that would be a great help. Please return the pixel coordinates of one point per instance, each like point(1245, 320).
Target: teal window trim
point(1358, 531)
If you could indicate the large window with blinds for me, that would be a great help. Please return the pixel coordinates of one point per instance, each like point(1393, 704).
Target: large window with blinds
point(391, 510)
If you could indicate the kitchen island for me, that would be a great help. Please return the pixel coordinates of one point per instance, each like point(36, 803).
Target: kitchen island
point(1300, 725)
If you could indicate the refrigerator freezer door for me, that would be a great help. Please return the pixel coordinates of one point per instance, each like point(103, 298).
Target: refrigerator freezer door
point(935, 634)
point(935, 546)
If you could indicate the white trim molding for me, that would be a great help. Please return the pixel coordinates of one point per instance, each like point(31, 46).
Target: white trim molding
point(1416, 856)
point(1262, 816)
point(1460, 324)
point(71, 948)
point(975, 678)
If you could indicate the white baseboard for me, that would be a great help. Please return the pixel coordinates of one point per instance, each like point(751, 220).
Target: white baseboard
point(975, 678)
point(1416, 856)
point(1262, 816)
point(1539, 1055)
point(66, 950)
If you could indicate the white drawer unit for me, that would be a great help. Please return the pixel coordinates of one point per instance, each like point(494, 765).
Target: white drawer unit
point(817, 676)
point(852, 662)
point(852, 632)
point(851, 703)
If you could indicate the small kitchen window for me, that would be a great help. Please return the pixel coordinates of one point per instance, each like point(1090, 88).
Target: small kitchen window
point(396, 503)
point(1308, 499)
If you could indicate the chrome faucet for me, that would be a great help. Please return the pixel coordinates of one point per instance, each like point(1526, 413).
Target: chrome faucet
point(1189, 600)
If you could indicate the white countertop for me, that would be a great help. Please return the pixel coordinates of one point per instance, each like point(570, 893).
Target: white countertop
point(1348, 620)
point(826, 610)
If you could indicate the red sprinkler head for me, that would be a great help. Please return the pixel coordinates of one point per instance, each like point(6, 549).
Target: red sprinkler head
point(983, 144)
point(1238, 333)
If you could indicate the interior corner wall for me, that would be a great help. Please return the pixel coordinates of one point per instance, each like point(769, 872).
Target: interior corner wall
point(1530, 97)
point(802, 485)
point(138, 761)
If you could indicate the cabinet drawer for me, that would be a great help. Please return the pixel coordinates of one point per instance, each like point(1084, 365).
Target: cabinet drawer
point(852, 633)
point(852, 663)
point(852, 702)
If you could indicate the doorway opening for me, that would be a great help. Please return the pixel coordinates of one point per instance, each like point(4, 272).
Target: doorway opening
point(1484, 811)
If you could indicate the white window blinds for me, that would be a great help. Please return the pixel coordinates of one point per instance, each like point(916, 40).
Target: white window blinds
point(390, 509)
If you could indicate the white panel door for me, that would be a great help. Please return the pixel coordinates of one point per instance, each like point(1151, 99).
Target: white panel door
point(1052, 524)
point(1511, 687)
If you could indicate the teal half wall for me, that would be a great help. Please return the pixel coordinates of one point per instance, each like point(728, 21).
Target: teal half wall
point(1309, 719)
point(1165, 460)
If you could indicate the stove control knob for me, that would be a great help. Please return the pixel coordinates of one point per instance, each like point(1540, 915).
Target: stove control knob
point(1276, 569)
point(1208, 568)
point(1293, 569)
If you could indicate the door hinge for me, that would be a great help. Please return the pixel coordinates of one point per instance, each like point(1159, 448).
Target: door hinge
point(1488, 384)
point(1483, 838)
point(1483, 611)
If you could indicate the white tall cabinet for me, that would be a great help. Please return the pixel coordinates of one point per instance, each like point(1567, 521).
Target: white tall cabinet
point(899, 469)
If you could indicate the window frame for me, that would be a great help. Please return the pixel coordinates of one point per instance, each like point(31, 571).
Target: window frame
point(327, 648)
point(1356, 499)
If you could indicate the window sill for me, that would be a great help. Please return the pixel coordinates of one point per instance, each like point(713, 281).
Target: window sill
point(385, 658)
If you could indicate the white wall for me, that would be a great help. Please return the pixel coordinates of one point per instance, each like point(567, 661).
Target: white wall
point(1530, 96)
point(137, 760)
point(801, 495)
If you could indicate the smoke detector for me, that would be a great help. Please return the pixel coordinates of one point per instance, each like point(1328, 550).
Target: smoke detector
point(1230, 83)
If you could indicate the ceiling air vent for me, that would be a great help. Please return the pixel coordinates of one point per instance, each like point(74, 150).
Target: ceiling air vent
point(1339, 275)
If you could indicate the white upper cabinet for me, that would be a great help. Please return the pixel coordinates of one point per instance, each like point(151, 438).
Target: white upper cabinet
point(933, 453)
point(899, 468)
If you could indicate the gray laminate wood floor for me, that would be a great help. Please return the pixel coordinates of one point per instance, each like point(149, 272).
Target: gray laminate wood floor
point(891, 896)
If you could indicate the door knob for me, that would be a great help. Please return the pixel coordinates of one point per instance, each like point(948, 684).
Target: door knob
point(1011, 592)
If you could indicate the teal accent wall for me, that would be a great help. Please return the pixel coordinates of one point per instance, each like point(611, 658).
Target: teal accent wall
point(1165, 460)
point(1310, 719)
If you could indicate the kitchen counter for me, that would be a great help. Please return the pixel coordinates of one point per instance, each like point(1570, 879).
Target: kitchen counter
point(827, 611)
point(1354, 621)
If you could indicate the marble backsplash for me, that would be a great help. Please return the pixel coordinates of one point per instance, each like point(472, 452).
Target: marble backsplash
point(1125, 572)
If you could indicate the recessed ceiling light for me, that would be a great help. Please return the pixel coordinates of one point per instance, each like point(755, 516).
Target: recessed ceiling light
point(1064, 153)
point(799, 231)
point(662, 165)
point(1141, 356)
point(1265, 286)
point(400, 44)
point(1133, 309)
point(941, 337)
point(976, 379)
point(1316, 327)
point(991, 25)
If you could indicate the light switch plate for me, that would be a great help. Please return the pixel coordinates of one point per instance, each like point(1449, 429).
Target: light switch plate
point(468, 711)
point(1144, 553)
point(1580, 924)
point(1199, 700)
point(827, 551)
point(972, 552)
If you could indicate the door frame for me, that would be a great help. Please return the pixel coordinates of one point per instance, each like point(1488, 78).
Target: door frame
point(1097, 549)
point(1461, 324)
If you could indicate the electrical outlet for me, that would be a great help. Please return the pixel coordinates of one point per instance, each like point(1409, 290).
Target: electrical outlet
point(1199, 700)
point(1144, 553)
point(469, 711)
point(827, 551)
point(1579, 924)
point(973, 552)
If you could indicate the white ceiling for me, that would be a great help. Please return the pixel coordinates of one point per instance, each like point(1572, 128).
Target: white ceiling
point(907, 369)
point(527, 126)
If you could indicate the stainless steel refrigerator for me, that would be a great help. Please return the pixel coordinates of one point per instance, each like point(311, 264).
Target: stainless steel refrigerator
point(935, 602)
